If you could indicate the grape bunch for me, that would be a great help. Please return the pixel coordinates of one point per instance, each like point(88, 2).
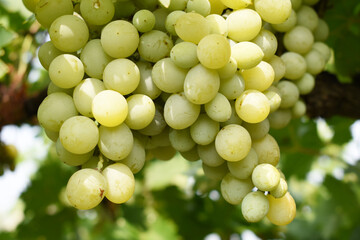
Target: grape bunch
point(134, 80)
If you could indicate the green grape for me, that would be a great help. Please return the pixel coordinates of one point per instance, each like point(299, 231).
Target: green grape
point(156, 126)
point(280, 118)
point(232, 87)
point(289, 93)
point(164, 153)
point(267, 150)
point(215, 173)
point(167, 76)
point(92, 163)
point(315, 62)
point(86, 188)
point(236, 4)
point(47, 52)
point(160, 140)
point(234, 190)
point(299, 39)
point(323, 49)
point(219, 108)
point(97, 12)
point(136, 159)
point(154, 45)
point(171, 21)
point(257, 130)
point(52, 135)
point(141, 111)
point(252, 106)
point(69, 33)
point(192, 27)
point(54, 110)
point(254, 206)
point(310, 2)
point(217, 24)
point(287, 25)
point(144, 20)
point(160, 19)
point(204, 130)
point(202, 7)
point(115, 143)
point(243, 25)
point(273, 95)
point(109, 108)
point(299, 109)
point(121, 75)
point(234, 118)
point(146, 85)
point(233, 142)
point(46, 11)
point(321, 32)
point(201, 84)
point(214, 51)
point(79, 134)
point(295, 65)
point(179, 112)
point(307, 17)
point(281, 210)
point(173, 5)
point(278, 66)
point(94, 59)
point(124, 9)
point(30, 4)
point(228, 70)
point(305, 84)
point(265, 177)
point(280, 190)
point(52, 88)
point(184, 54)
point(70, 158)
point(191, 155)
point(273, 11)
point(120, 182)
point(242, 169)
point(259, 77)
point(246, 54)
point(296, 4)
point(209, 155)
point(119, 39)
point(66, 71)
point(181, 140)
point(146, 4)
point(267, 41)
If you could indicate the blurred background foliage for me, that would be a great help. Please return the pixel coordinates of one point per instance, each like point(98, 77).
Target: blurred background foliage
point(173, 199)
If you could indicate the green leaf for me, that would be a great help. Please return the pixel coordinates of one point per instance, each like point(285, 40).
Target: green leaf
point(341, 127)
point(6, 36)
point(296, 164)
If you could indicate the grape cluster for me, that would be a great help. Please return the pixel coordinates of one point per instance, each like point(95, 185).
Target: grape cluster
point(133, 80)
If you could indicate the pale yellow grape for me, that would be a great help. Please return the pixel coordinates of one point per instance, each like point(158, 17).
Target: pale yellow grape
point(201, 84)
point(52, 88)
point(54, 110)
point(167, 76)
point(69, 33)
point(47, 52)
point(267, 150)
point(192, 27)
point(246, 54)
point(119, 39)
point(243, 25)
point(214, 51)
point(86, 188)
point(146, 85)
point(121, 75)
point(296, 4)
point(282, 210)
point(79, 134)
point(97, 12)
point(287, 25)
point(299, 40)
point(164, 153)
point(274, 98)
point(219, 108)
point(323, 49)
point(267, 41)
point(46, 11)
point(242, 169)
point(141, 111)
point(173, 5)
point(233, 142)
point(191, 155)
point(315, 62)
point(136, 159)
point(215, 173)
point(257, 130)
point(52, 135)
point(184, 54)
point(109, 108)
point(321, 32)
point(252, 106)
point(232, 87)
point(179, 112)
point(160, 18)
point(144, 20)
point(234, 118)
point(234, 190)
point(171, 21)
point(259, 77)
point(254, 206)
point(265, 177)
point(295, 65)
point(299, 109)
point(228, 70)
point(154, 45)
point(209, 155)
point(280, 118)
point(94, 59)
point(280, 190)
point(181, 139)
point(204, 130)
point(273, 11)
point(70, 158)
point(217, 24)
point(305, 84)
point(120, 181)
point(289, 93)
point(202, 7)
point(156, 126)
point(278, 66)
point(91, 163)
point(307, 17)
point(217, 7)
point(31, 4)
point(236, 4)
point(117, 142)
